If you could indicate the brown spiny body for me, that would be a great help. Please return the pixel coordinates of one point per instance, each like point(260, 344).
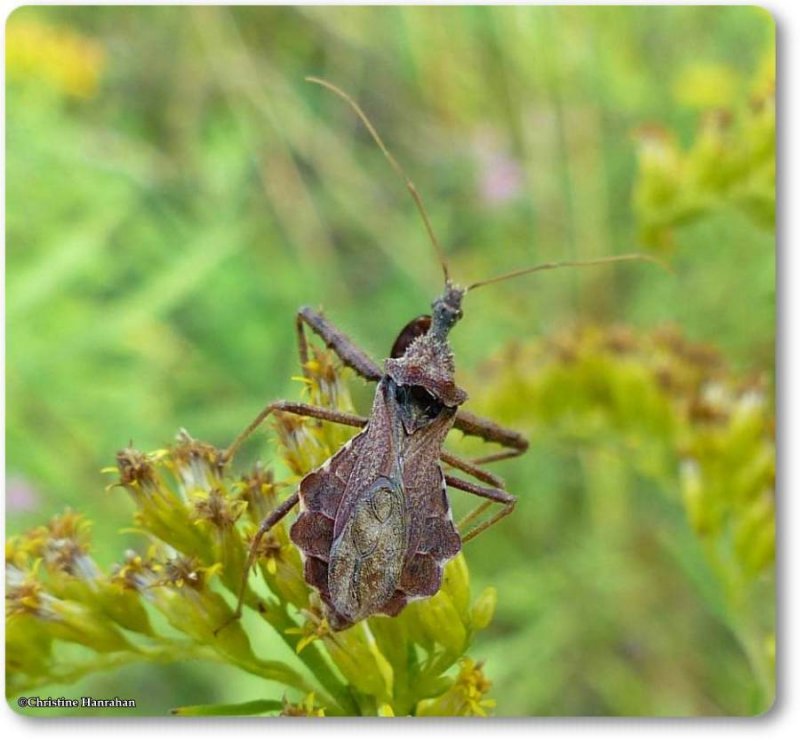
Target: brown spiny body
point(375, 526)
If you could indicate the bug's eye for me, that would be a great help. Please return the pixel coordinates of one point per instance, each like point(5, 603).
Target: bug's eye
point(426, 402)
point(401, 394)
point(409, 333)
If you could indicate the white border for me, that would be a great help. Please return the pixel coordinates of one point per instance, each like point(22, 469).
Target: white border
point(778, 723)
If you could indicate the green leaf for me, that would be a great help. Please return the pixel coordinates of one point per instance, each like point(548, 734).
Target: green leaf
point(254, 707)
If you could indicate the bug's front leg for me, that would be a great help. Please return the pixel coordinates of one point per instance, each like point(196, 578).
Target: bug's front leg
point(350, 354)
point(347, 350)
point(298, 408)
point(492, 494)
point(513, 442)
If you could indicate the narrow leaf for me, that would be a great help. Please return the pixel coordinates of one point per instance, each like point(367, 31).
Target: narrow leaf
point(254, 707)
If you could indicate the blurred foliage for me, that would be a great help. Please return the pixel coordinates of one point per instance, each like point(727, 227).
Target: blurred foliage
point(175, 192)
point(732, 159)
point(679, 417)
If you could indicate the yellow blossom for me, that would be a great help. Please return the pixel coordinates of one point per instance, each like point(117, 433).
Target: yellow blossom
point(68, 61)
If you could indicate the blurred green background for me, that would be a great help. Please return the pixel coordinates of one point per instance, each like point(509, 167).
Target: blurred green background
point(175, 191)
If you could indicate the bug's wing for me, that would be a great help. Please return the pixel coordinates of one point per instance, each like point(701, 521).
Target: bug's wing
point(434, 539)
point(368, 553)
point(321, 493)
point(352, 529)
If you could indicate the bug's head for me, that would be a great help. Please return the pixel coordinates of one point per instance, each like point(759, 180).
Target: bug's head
point(419, 408)
point(446, 312)
point(421, 365)
point(428, 364)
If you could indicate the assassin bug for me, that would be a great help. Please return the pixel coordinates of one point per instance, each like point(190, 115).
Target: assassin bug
point(375, 527)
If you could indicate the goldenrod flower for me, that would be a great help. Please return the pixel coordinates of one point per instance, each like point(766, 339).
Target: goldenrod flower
point(467, 696)
point(306, 708)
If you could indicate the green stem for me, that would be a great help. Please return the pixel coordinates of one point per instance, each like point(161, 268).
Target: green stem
point(442, 663)
point(107, 662)
point(752, 642)
point(737, 612)
point(311, 656)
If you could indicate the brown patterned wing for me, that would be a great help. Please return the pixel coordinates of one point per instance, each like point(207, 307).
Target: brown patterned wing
point(368, 554)
point(321, 494)
point(433, 539)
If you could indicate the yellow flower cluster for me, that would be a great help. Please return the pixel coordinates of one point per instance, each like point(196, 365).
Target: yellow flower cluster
point(58, 56)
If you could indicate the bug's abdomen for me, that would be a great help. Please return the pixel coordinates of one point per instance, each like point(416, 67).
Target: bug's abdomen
point(366, 560)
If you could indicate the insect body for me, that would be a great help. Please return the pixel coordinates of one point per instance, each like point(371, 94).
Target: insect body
point(375, 523)
point(375, 527)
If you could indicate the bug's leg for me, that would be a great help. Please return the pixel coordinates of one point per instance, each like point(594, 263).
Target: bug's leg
point(349, 353)
point(470, 468)
point(512, 442)
point(302, 410)
point(272, 519)
point(500, 496)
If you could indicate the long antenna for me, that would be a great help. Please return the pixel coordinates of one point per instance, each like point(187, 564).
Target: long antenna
point(568, 264)
point(395, 166)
